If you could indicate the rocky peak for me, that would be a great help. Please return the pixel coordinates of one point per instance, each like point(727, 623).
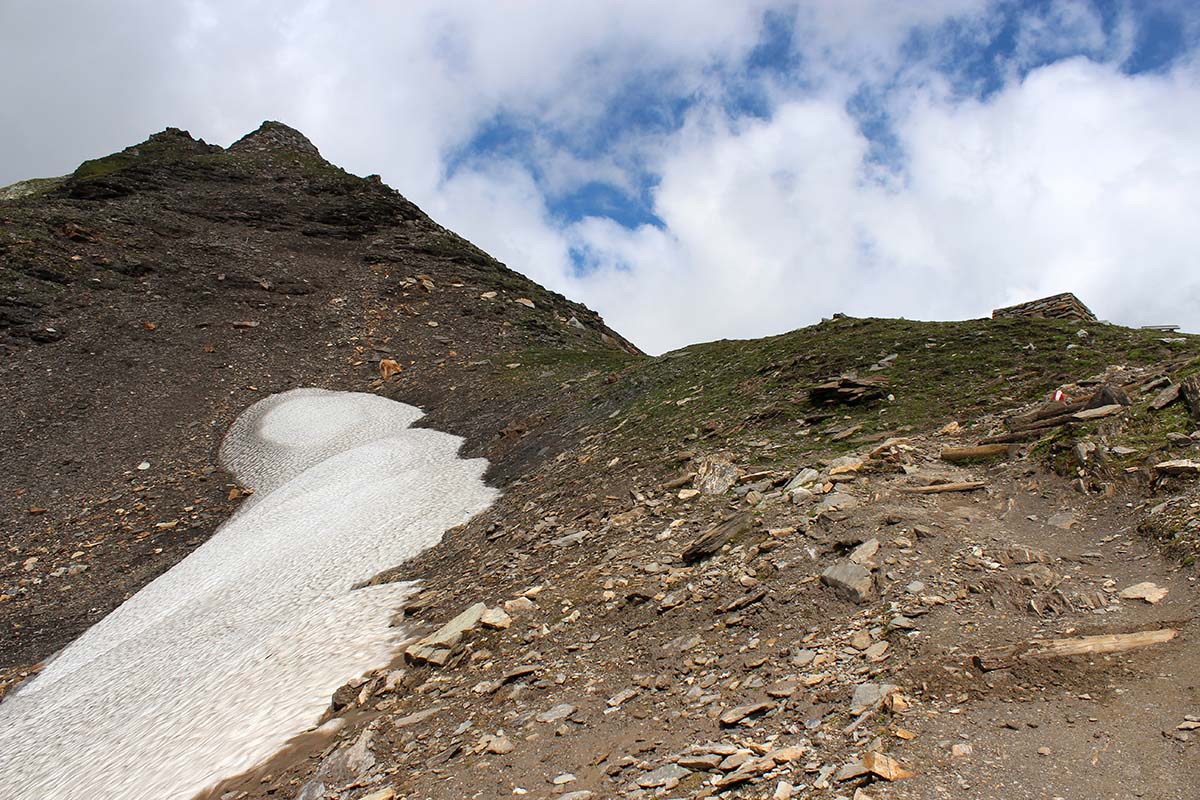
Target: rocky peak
point(273, 136)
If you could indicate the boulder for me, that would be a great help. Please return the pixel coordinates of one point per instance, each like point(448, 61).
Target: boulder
point(850, 580)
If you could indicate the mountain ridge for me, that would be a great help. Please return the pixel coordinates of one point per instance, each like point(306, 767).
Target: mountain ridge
point(738, 568)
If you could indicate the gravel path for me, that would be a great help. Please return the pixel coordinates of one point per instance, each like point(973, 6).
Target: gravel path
point(213, 666)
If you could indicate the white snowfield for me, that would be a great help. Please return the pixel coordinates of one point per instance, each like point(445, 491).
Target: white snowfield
point(213, 666)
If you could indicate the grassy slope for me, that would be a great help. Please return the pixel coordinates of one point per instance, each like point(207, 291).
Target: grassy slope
point(753, 392)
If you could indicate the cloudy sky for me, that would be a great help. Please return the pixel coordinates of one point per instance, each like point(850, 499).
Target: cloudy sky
point(693, 170)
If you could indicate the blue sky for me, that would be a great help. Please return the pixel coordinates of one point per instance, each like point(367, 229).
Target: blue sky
point(692, 171)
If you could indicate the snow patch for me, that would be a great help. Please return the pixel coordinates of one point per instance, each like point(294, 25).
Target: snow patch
point(213, 666)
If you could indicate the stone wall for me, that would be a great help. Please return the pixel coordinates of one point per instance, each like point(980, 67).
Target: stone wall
point(1059, 306)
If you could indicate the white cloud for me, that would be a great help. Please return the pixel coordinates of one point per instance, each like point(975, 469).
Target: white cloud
point(1078, 178)
point(1074, 176)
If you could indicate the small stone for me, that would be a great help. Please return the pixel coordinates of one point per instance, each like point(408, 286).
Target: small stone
point(961, 750)
point(734, 760)
point(1150, 592)
point(737, 714)
point(803, 480)
point(688, 494)
point(844, 465)
point(885, 766)
point(563, 780)
point(1181, 466)
point(861, 640)
point(525, 301)
point(801, 496)
point(788, 755)
point(783, 791)
point(666, 775)
point(783, 688)
point(916, 587)
point(582, 794)
point(1043, 751)
point(382, 794)
point(495, 618)
point(416, 718)
point(518, 606)
point(145, 465)
point(869, 696)
point(621, 697)
point(699, 761)
point(852, 581)
point(1063, 519)
point(848, 772)
point(876, 652)
point(557, 713)
point(499, 745)
point(865, 552)
point(715, 474)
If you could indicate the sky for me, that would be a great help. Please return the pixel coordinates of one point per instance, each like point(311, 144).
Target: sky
point(692, 171)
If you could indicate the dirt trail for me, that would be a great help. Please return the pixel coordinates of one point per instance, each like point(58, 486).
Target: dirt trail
point(1101, 726)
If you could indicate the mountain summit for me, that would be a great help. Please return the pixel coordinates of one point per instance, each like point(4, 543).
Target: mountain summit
point(274, 136)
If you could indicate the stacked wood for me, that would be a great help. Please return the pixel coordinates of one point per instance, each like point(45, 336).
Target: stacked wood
point(1106, 401)
point(849, 390)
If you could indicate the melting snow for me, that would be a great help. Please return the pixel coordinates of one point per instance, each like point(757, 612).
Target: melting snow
point(214, 665)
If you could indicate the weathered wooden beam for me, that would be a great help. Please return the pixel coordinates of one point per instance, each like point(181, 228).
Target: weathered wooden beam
point(1045, 412)
point(716, 537)
point(1004, 657)
point(938, 488)
point(980, 451)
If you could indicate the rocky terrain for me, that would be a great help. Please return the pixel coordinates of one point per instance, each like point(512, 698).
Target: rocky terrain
point(865, 559)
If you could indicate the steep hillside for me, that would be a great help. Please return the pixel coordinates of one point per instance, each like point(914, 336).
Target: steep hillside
point(155, 293)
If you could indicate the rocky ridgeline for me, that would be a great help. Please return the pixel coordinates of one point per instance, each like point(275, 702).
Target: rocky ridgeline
point(858, 628)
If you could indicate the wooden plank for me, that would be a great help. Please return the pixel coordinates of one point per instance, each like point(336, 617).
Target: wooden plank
point(1002, 658)
point(716, 537)
point(1099, 412)
point(1014, 437)
point(938, 488)
point(1045, 412)
point(980, 451)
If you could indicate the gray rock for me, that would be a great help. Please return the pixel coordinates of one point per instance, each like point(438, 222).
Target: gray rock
point(852, 581)
point(350, 763)
point(868, 696)
point(865, 552)
point(836, 501)
point(557, 713)
point(738, 713)
point(437, 646)
point(715, 474)
point(668, 774)
point(313, 790)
